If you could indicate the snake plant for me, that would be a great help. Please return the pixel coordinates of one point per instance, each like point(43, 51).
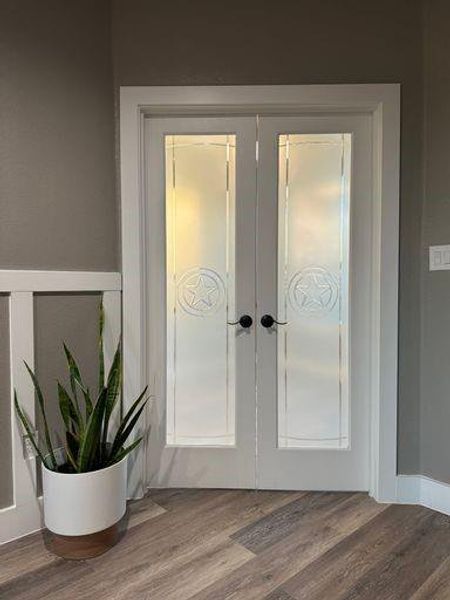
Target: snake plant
point(90, 442)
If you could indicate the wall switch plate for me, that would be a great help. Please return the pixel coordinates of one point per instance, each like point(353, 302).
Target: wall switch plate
point(439, 258)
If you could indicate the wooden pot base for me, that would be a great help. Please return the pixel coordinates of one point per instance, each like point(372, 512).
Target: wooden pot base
point(80, 547)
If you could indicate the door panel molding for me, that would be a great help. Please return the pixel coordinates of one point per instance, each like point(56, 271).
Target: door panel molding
point(382, 102)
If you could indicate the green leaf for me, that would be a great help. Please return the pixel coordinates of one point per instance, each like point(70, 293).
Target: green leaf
point(71, 459)
point(28, 428)
point(113, 391)
point(40, 398)
point(88, 403)
point(133, 407)
point(64, 406)
point(124, 452)
point(92, 435)
point(87, 399)
point(72, 448)
point(74, 374)
point(122, 436)
point(68, 410)
point(101, 356)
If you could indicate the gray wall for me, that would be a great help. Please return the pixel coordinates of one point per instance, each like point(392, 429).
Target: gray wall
point(57, 192)
point(435, 390)
point(57, 202)
point(295, 42)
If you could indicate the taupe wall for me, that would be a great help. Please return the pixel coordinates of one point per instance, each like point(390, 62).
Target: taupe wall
point(57, 203)
point(57, 191)
point(435, 389)
point(294, 42)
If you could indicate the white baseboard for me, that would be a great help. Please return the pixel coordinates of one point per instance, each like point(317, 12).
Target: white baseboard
point(418, 489)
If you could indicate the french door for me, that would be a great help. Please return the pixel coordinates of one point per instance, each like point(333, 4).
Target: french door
point(258, 256)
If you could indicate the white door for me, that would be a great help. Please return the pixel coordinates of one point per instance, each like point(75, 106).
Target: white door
point(201, 261)
point(313, 275)
point(267, 218)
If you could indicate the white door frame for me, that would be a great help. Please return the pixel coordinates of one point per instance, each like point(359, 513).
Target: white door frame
point(382, 101)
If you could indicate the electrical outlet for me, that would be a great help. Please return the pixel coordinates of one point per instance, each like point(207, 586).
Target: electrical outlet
point(439, 258)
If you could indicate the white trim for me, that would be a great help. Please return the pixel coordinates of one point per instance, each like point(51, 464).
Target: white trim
point(112, 307)
point(25, 514)
point(408, 489)
point(133, 282)
point(59, 281)
point(383, 102)
point(385, 244)
point(419, 489)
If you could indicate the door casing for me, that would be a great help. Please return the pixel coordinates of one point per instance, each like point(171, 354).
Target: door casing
point(382, 103)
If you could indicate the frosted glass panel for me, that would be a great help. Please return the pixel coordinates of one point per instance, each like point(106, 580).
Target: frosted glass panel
point(313, 229)
point(200, 217)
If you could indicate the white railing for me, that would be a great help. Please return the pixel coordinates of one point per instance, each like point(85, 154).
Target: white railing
point(24, 515)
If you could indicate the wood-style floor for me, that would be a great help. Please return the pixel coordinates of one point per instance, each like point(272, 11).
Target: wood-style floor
point(218, 544)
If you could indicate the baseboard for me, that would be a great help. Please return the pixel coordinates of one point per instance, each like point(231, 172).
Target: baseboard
point(418, 489)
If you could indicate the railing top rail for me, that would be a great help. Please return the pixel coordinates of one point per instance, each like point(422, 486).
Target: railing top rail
point(59, 281)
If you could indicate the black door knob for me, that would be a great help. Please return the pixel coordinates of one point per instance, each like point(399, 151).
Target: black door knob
point(245, 321)
point(267, 321)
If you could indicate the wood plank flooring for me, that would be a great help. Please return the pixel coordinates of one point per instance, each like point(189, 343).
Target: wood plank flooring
point(234, 544)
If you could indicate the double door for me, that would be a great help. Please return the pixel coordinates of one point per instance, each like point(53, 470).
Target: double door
point(258, 257)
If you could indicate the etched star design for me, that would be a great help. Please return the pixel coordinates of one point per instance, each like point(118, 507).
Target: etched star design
point(202, 293)
point(314, 291)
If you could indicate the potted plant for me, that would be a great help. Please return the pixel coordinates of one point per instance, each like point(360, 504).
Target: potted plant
point(84, 482)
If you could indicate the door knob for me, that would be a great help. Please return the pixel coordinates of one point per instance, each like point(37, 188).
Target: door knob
point(245, 321)
point(267, 321)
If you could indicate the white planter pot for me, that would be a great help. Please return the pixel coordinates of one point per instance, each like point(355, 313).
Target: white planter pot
point(77, 504)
